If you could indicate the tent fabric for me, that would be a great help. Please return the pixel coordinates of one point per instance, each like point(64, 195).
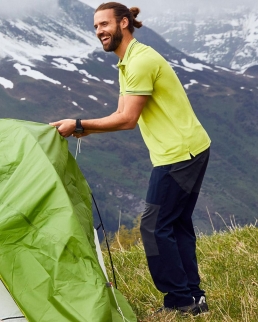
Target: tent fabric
point(48, 258)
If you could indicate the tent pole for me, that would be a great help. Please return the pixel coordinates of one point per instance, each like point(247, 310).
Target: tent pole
point(105, 235)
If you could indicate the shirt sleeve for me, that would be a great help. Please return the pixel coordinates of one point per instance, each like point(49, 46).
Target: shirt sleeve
point(140, 76)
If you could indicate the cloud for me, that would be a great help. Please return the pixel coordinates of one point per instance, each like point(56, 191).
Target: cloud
point(195, 6)
point(19, 8)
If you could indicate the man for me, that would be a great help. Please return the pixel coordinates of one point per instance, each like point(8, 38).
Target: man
point(152, 96)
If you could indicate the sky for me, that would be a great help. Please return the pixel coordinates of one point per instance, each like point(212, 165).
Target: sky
point(151, 7)
point(17, 8)
point(13, 8)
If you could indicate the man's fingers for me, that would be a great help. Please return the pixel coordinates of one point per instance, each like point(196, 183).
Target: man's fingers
point(65, 127)
point(56, 124)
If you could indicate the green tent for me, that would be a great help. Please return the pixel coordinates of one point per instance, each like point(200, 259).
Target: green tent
point(48, 258)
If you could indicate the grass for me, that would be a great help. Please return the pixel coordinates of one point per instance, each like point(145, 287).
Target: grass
point(228, 266)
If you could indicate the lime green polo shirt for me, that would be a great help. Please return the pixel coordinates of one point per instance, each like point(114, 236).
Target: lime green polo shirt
point(167, 123)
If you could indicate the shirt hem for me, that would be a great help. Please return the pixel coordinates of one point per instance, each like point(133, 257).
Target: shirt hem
point(185, 157)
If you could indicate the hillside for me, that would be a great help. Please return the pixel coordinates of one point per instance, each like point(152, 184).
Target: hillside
point(53, 68)
point(226, 38)
point(228, 265)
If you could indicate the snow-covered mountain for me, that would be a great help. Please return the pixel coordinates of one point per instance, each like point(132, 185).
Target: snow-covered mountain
point(67, 33)
point(66, 40)
point(229, 39)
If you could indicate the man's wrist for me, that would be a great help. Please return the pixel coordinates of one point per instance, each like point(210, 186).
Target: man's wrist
point(78, 126)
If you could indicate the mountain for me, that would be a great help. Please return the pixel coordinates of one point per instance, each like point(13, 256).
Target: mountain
point(53, 67)
point(228, 38)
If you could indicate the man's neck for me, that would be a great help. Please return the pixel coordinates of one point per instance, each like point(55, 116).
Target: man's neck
point(120, 51)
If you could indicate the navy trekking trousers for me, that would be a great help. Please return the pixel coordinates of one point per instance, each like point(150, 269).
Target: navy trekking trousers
point(167, 229)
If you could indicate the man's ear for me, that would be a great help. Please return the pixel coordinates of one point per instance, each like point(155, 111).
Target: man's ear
point(124, 23)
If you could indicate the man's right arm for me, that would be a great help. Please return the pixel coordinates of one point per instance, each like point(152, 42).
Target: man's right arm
point(88, 132)
point(125, 118)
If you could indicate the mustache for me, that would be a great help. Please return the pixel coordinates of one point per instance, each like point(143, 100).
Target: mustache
point(104, 34)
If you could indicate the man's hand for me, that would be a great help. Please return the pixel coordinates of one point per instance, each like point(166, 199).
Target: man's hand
point(65, 127)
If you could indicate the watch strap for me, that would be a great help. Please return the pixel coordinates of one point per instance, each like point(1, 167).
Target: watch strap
point(78, 127)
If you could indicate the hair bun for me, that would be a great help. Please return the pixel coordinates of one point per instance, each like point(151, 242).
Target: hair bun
point(135, 11)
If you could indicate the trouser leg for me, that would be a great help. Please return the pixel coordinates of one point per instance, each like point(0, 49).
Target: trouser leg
point(164, 204)
point(186, 240)
point(167, 230)
point(184, 232)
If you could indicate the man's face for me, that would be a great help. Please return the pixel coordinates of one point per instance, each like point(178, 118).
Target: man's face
point(107, 29)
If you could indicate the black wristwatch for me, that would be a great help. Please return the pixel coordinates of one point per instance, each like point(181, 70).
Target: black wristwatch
point(78, 126)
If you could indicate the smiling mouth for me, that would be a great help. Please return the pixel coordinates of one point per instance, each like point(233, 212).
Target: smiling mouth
point(105, 40)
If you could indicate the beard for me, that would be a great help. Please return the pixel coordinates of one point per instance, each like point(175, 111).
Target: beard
point(115, 40)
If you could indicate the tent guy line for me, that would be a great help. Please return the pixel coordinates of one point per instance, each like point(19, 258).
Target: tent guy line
point(78, 150)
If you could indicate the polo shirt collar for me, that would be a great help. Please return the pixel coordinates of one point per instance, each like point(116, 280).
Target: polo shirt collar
point(127, 53)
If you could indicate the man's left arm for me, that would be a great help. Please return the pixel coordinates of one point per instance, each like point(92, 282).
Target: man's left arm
point(125, 119)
